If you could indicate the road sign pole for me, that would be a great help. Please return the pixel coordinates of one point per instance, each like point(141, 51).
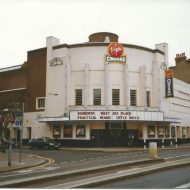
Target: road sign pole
point(21, 133)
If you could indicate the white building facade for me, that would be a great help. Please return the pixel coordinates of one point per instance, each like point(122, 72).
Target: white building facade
point(96, 98)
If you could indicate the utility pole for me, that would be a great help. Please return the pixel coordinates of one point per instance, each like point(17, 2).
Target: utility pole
point(21, 132)
point(1, 128)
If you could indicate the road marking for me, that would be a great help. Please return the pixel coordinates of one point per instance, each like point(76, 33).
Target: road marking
point(50, 168)
point(91, 158)
point(83, 160)
point(185, 186)
point(73, 161)
point(132, 169)
point(64, 162)
point(24, 171)
point(183, 155)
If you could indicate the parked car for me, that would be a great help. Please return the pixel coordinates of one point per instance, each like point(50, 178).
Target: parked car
point(44, 143)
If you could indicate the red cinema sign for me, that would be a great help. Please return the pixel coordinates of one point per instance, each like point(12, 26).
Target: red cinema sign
point(115, 53)
point(115, 49)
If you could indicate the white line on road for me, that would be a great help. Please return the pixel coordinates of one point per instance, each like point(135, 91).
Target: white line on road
point(132, 169)
point(185, 186)
point(64, 162)
point(73, 161)
point(83, 160)
point(182, 155)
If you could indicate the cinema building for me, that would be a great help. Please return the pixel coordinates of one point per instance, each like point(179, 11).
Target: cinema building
point(100, 93)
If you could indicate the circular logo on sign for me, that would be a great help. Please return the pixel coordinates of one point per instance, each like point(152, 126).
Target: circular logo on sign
point(168, 74)
point(115, 49)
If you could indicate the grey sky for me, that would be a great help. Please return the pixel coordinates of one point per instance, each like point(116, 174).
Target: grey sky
point(25, 24)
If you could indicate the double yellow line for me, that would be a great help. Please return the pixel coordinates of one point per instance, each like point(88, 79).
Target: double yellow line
point(48, 161)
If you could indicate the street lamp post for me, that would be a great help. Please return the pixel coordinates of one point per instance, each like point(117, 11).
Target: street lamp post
point(9, 117)
point(21, 132)
point(1, 127)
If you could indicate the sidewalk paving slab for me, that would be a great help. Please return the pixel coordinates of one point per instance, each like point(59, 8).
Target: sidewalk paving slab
point(27, 161)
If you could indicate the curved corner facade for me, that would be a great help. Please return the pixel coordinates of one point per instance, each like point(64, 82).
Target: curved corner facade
point(97, 98)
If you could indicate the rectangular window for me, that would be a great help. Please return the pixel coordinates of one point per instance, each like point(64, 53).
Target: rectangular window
point(78, 97)
point(56, 131)
point(40, 103)
point(80, 131)
point(68, 131)
point(133, 97)
point(167, 131)
point(161, 131)
point(173, 132)
point(151, 131)
point(115, 97)
point(96, 96)
point(148, 98)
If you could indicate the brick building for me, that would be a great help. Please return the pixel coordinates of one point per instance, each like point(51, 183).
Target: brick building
point(23, 84)
point(182, 69)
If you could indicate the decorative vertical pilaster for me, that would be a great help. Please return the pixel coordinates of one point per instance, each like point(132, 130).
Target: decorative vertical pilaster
point(85, 88)
point(106, 86)
point(126, 87)
point(66, 87)
point(142, 85)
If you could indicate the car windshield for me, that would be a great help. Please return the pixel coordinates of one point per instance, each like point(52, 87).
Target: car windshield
point(50, 140)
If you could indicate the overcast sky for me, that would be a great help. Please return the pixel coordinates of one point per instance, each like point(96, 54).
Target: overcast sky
point(25, 24)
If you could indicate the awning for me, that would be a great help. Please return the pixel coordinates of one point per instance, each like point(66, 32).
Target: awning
point(52, 119)
point(172, 120)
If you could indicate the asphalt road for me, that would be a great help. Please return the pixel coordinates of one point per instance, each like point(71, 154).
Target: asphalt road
point(66, 160)
point(164, 179)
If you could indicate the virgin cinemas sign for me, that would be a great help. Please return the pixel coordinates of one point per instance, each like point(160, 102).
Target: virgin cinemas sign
point(115, 115)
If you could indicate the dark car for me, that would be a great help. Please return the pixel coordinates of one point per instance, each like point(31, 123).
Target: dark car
point(44, 143)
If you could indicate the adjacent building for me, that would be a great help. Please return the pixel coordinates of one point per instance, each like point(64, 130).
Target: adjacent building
point(99, 93)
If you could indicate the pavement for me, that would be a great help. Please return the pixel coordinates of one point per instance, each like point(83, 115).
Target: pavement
point(29, 160)
point(26, 161)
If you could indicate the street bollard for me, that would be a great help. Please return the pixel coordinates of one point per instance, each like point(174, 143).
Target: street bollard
point(162, 143)
point(144, 144)
point(153, 150)
point(176, 143)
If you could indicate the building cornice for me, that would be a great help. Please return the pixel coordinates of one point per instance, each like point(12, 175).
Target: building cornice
point(10, 68)
point(95, 44)
point(12, 90)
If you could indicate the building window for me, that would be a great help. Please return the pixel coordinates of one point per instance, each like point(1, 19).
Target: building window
point(96, 96)
point(151, 131)
point(148, 99)
point(57, 131)
point(80, 131)
point(133, 97)
point(161, 131)
point(68, 131)
point(40, 103)
point(184, 132)
point(167, 131)
point(173, 132)
point(78, 97)
point(115, 97)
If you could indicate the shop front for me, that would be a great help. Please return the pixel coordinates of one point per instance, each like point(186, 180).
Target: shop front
point(109, 128)
point(112, 128)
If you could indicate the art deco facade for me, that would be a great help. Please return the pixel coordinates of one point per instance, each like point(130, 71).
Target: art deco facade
point(100, 93)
